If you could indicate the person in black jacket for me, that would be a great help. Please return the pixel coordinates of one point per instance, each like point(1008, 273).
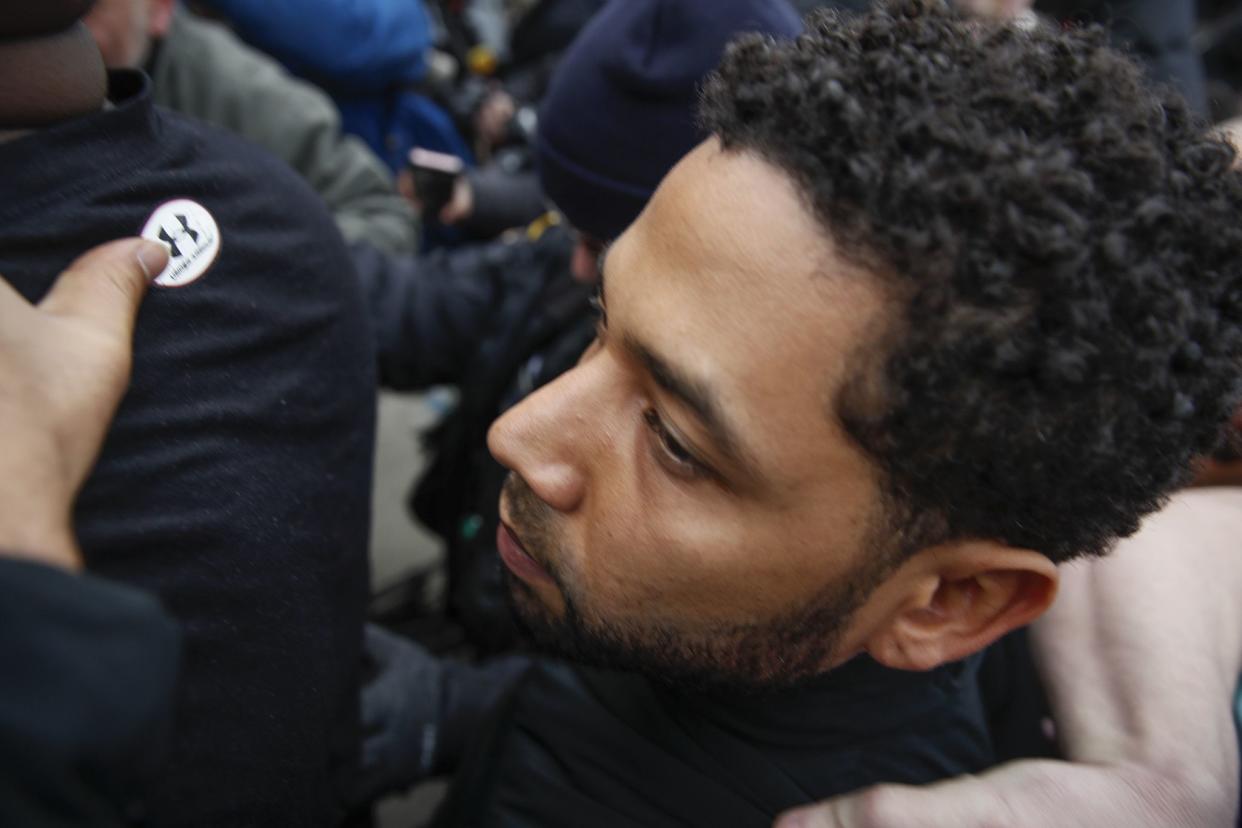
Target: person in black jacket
point(235, 483)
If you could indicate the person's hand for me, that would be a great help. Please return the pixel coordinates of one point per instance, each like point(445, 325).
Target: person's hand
point(64, 366)
point(400, 716)
point(491, 121)
point(996, 9)
point(459, 208)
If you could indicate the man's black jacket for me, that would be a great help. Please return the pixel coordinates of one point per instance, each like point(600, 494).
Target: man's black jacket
point(86, 700)
point(574, 746)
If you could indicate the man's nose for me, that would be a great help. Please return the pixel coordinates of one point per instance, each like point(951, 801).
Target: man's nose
point(549, 439)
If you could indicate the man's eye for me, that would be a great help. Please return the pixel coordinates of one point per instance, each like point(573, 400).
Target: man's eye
point(674, 454)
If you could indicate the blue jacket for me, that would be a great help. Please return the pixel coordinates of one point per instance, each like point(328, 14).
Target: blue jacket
point(346, 45)
point(368, 54)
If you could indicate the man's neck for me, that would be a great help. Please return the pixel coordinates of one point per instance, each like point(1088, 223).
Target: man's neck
point(58, 77)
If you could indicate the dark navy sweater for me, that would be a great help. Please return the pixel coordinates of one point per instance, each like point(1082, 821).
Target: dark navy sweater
point(89, 670)
point(572, 746)
point(235, 483)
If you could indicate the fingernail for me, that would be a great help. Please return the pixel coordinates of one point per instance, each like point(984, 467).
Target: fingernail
point(152, 258)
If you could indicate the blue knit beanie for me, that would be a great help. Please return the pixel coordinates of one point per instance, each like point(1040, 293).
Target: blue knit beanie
point(620, 111)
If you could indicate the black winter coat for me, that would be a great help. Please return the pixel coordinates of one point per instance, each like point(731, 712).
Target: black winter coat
point(234, 484)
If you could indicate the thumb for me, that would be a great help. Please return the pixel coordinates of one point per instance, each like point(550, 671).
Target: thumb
point(105, 286)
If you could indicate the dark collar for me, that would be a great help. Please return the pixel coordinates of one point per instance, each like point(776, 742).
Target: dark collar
point(61, 160)
point(858, 698)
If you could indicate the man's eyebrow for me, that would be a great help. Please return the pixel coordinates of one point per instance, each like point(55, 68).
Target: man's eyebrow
point(696, 396)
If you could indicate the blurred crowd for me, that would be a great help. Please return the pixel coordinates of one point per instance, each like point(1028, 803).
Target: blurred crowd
point(410, 195)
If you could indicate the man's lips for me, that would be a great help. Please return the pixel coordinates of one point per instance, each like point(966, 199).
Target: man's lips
point(516, 559)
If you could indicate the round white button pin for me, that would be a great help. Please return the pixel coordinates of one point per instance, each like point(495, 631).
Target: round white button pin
point(192, 237)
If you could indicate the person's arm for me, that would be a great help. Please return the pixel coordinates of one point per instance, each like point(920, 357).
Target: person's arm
point(1141, 655)
point(421, 712)
point(89, 666)
point(500, 201)
point(64, 365)
point(430, 313)
point(86, 705)
point(205, 72)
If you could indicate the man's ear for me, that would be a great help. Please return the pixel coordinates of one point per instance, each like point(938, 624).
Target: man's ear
point(161, 17)
point(959, 598)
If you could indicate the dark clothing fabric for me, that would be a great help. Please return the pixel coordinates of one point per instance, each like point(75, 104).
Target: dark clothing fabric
point(1016, 703)
point(620, 110)
point(805, 7)
point(443, 318)
point(575, 746)
point(86, 700)
point(234, 483)
point(549, 27)
point(434, 315)
point(1158, 32)
point(502, 200)
point(468, 693)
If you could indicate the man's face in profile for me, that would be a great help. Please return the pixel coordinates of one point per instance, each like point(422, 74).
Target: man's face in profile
point(683, 502)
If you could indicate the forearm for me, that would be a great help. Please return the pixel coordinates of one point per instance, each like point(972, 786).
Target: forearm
point(502, 201)
point(90, 669)
point(1142, 650)
point(428, 313)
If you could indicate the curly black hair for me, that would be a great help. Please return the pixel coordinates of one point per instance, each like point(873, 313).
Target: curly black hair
point(1065, 245)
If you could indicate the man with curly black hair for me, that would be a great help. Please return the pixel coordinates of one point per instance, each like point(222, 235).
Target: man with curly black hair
point(1063, 250)
point(941, 305)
